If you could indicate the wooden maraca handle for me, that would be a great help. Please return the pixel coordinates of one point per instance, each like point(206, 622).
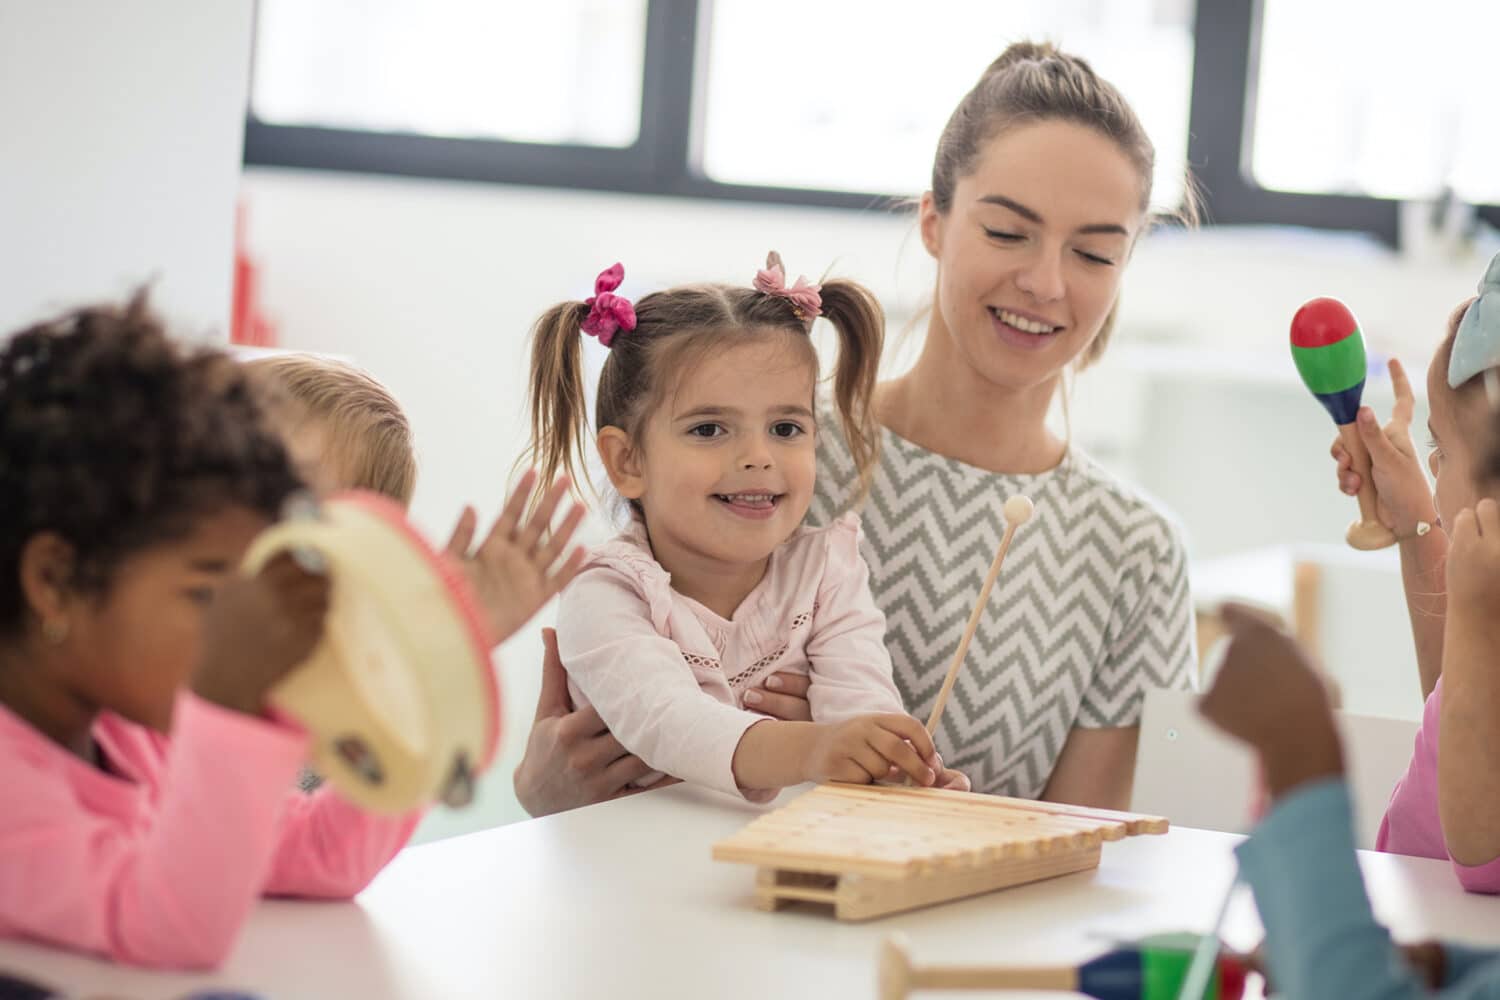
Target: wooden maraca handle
point(1367, 533)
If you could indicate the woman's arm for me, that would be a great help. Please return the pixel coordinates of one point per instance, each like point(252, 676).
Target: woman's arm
point(1096, 768)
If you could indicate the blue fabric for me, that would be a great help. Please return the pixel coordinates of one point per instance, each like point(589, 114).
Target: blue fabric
point(1476, 346)
point(1322, 940)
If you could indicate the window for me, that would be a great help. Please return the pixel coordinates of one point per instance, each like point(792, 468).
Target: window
point(1296, 112)
point(1377, 98)
point(851, 95)
point(565, 72)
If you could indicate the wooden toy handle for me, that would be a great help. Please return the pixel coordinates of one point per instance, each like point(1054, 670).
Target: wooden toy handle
point(1367, 533)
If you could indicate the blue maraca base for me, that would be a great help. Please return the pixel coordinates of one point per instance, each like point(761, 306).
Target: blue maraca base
point(1343, 406)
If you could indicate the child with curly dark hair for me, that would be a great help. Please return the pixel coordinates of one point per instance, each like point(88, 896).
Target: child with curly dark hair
point(133, 476)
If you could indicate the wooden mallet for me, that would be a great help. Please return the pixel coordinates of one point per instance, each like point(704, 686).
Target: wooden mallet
point(1142, 972)
point(1018, 510)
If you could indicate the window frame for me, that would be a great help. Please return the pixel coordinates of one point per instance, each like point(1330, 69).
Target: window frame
point(660, 162)
point(664, 161)
point(1226, 62)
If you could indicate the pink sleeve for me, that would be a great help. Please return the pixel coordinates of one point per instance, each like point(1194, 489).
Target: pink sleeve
point(1411, 824)
point(1479, 878)
point(1413, 820)
point(171, 891)
point(851, 668)
point(330, 849)
point(639, 683)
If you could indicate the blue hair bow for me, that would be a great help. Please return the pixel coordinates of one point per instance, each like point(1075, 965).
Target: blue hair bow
point(1476, 346)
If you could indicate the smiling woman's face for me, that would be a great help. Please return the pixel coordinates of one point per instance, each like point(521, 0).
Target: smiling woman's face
point(1031, 252)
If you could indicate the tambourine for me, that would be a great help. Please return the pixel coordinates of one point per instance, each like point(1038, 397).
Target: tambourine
point(400, 697)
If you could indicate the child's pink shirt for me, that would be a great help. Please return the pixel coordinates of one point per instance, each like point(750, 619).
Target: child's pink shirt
point(159, 862)
point(668, 676)
point(1412, 824)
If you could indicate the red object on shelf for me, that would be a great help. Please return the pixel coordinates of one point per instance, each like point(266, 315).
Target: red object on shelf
point(248, 324)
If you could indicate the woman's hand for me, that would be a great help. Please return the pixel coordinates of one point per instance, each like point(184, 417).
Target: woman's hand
point(571, 759)
point(783, 696)
point(1403, 497)
point(512, 573)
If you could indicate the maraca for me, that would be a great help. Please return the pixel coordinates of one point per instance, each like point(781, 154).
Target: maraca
point(1142, 972)
point(1329, 352)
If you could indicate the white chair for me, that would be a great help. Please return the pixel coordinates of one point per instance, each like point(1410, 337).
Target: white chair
point(1195, 776)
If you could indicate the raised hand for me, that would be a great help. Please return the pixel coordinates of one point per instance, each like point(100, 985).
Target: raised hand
point(1474, 561)
point(1403, 496)
point(1267, 694)
point(515, 570)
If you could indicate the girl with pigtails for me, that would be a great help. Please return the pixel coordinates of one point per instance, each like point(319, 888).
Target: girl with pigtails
point(707, 428)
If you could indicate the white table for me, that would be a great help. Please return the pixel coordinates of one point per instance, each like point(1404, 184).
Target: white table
point(622, 900)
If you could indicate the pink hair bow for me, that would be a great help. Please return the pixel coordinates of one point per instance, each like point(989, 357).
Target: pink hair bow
point(608, 313)
point(806, 298)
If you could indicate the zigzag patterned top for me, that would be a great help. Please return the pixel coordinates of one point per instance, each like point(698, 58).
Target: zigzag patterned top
point(1091, 609)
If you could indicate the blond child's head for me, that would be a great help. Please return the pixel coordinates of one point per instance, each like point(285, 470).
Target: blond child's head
point(343, 428)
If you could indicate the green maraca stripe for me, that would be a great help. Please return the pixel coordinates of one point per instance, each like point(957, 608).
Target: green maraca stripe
point(1164, 972)
point(1332, 367)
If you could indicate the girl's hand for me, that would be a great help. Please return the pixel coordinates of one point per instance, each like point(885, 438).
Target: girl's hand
point(512, 572)
point(1403, 497)
point(954, 781)
point(1474, 561)
point(258, 629)
point(1267, 694)
point(865, 749)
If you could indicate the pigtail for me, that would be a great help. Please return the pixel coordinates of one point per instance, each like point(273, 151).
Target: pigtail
point(856, 315)
point(559, 412)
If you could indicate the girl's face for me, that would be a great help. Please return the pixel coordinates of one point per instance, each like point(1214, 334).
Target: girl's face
point(1031, 251)
point(1455, 421)
point(130, 649)
point(729, 458)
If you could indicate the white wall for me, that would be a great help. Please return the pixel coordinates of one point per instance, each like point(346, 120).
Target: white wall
point(121, 127)
point(433, 285)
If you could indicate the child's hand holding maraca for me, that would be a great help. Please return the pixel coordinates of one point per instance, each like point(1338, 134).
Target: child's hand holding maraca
point(1267, 694)
point(1403, 497)
point(512, 573)
point(258, 630)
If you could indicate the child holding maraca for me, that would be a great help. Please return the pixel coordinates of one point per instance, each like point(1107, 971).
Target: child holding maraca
point(1457, 817)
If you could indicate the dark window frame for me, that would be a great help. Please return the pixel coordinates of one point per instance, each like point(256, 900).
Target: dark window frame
point(1226, 48)
point(663, 160)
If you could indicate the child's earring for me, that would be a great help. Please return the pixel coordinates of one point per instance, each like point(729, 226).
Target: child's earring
point(55, 631)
